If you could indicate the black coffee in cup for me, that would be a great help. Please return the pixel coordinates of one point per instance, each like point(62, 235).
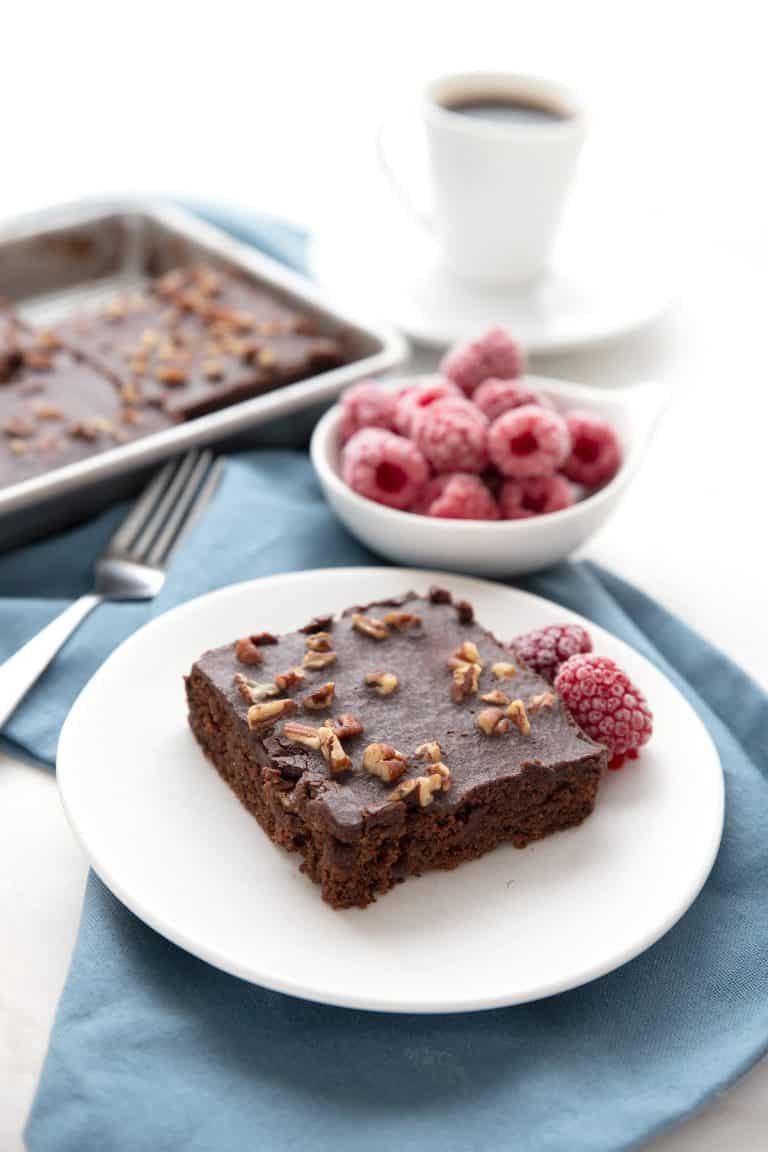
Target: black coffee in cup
point(506, 111)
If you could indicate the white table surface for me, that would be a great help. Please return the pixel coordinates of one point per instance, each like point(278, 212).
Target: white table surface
point(679, 95)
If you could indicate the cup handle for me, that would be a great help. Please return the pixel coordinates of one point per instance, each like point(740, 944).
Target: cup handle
point(407, 201)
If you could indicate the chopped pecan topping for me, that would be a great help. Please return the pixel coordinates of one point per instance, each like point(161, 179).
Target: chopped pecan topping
point(18, 447)
point(129, 393)
point(316, 660)
point(402, 621)
point(319, 642)
point(384, 761)
point(469, 653)
point(422, 787)
point(17, 425)
point(429, 751)
point(321, 698)
point(519, 717)
point(444, 772)
point(264, 638)
point(496, 696)
point(332, 751)
point(247, 652)
point(48, 339)
point(492, 721)
point(265, 714)
point(317, 624)
point(38, 359)
point(253, 692)
point(150, 338)
point(465, 680)
point(503, 670)
point(45, 411)
point(370, 626)
point(213, 369)
point(465, 612)
point(289, 679)
point(385, 683)
point(440, 595)
point(266, 357)
point(298, 733)
point(346, 726)
point(172, 374)
point(543, 700)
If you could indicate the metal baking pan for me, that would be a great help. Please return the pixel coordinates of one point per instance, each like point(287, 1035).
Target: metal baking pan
point(68, 259)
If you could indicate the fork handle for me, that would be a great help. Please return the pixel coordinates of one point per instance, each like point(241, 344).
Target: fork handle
point(20, 671)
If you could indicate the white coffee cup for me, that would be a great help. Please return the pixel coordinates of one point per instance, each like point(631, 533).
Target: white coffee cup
point(498, 185)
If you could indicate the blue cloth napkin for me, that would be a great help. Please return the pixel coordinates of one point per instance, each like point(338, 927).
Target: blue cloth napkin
point(154, 1050)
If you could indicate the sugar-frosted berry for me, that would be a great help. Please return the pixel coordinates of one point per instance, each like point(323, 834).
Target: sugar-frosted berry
point(535, 496)
point(452, 435)
point(494, 397)
point(605, 703)
point(495, 354)
point(595, 455)
point(457, 496)
point(546, 649)
point(366, 405)
point(413, 400)
point(528, 441)
point(384, 467)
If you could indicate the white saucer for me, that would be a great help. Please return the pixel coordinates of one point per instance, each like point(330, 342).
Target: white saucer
point(606, 280)
point(174, 844)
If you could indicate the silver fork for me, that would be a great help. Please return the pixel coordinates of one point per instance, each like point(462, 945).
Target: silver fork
point(132, 567)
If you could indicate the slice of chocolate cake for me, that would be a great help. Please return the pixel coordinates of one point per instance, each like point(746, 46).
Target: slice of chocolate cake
point(401, 737)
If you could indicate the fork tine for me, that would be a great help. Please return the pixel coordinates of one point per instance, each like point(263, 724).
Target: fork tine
point(195, 495)
point(140, 512)
point(163, 508)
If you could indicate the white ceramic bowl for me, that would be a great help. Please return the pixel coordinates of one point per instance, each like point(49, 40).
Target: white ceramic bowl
point(494, 548)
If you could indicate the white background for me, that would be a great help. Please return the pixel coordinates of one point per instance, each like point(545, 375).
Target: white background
point(273, 106)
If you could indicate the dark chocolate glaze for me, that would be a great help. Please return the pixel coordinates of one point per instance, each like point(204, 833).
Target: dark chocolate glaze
point(420, 710)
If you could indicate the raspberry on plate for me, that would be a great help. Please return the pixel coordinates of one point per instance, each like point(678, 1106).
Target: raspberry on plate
point(535, 496)
point(528, 441)
point(457, 496)
point(495, 354)
point(413, 400)
point(546, 649)
point(452, 435)
point(384, 467)
point(595, 456)
point(494, 397)
point(366, 405)
point(605, 703)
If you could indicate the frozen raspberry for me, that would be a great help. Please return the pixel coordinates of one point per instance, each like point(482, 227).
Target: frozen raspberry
point(412, 400)
point(457, 496)
point(546, 649)
point(366, 405)
point(494, 355)
point(604, 701)
point(535, 496)
point(495, 397)
point(384, 467)
point(452, 435)
point(595, 451)
point(528, 441)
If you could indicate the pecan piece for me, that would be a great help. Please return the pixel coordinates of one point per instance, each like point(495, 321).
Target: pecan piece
point(543, 700)
point(247, 652)
point(289, 679)
point(44, 411)
point(346, 726)
point(429, 751)
point(503, 670)
point(440, 595)
point(321, 698)
point(316, 660)
point(18, 426)
point(317, 624)
point(332, 751)
point(402, 621)
point(519, 717)
point(370, 626)
point(492, 721)
point(385, 683)
point(465, 680)
point(319, 642)
point(268, 712)
point(468, 652)
point(298, 733)
point(465, 612)
point(496, 696)
point(422, 787)
point(253, 692)
point(384, 761)
point(264, 638)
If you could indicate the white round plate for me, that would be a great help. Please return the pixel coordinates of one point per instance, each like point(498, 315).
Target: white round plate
point(604, 282)
point(175, 845)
